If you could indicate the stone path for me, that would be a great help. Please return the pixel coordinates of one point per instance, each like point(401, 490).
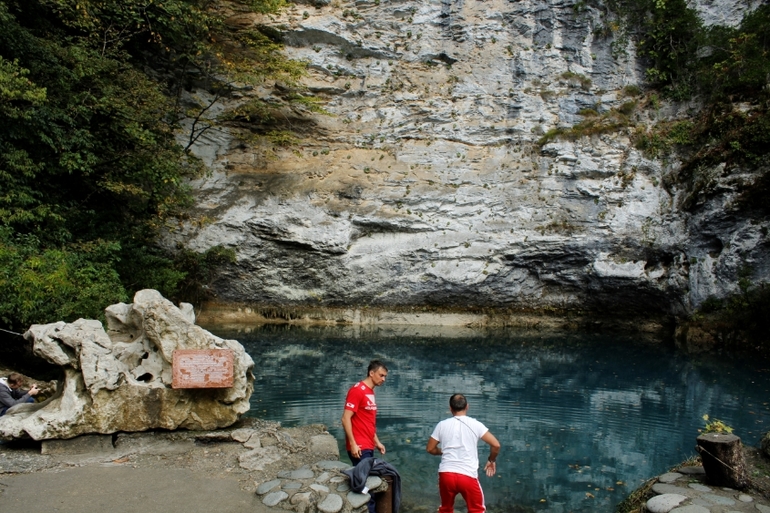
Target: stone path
point(320, 486)
point(687, 491)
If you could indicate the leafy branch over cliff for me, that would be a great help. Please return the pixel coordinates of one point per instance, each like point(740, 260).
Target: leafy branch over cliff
point(90, 166)
point(725, 69)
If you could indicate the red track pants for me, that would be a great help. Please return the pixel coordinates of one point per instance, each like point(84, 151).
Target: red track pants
point(450, 484)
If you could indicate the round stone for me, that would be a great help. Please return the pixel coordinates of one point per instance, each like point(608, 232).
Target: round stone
point(338, 479)
point(331, 465)
point(669, 477)
point(358, 499)
point(273, 498)
point(323, 478)
point(692, 508)
point(718, 500)
point(373, 482)
point(302, 473)
point(343, 487)
point(745, 498)
point(699, 487)
point(292, 485)
point(692, 471)
point(332, 503)
point(662, 489)
point(268, 486)
point(665, 503)
point(319, 488)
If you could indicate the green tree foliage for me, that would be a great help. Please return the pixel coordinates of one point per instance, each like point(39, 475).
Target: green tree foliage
point(727, 69)
point(670, 37)
point(55, 283)
point(684, 58)
point(89, 163)
point(738, 59)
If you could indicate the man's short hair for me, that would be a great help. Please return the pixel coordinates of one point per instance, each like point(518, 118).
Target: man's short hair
point(376, 365)
point(458, 402)
point(15, 378)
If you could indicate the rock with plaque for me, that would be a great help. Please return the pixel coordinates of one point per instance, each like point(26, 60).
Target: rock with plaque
point(202, 368)
point(148, 367)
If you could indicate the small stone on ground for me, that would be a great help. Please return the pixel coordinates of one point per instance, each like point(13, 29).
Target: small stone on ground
point(331, 504)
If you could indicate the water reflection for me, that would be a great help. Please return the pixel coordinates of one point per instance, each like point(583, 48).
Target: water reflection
point(582, 419)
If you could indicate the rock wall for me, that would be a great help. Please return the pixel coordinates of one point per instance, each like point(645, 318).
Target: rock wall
point(424, 184)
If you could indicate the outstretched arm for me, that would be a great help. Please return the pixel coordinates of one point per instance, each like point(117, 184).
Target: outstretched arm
point(494, 449)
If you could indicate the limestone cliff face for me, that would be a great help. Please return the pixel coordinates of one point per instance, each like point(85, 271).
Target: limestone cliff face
point(426, 185)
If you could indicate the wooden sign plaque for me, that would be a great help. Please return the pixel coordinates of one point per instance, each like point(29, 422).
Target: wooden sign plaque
point(202, 368)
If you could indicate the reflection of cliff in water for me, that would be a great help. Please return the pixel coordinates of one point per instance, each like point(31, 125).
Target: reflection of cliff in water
point(583, 419)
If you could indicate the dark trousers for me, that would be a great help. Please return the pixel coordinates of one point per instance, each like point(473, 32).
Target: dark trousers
point(5, 409)
point(365, 453)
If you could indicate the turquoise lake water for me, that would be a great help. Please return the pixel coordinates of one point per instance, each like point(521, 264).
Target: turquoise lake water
point(582, 419)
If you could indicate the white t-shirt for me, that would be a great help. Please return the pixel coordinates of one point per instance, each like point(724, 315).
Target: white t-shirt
point(459, 437)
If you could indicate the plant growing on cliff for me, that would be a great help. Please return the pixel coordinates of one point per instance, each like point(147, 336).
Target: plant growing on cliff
point(727, 68)
point(742, 315)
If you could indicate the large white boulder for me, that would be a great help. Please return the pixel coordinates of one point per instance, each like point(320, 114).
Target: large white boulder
point(121, 379)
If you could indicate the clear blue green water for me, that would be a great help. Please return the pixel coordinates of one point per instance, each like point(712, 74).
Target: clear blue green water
point(583, 419)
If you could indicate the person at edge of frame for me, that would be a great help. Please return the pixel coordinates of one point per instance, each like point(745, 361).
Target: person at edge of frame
point(12, 394)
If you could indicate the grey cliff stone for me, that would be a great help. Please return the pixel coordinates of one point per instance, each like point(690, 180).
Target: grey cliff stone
point(429, 182)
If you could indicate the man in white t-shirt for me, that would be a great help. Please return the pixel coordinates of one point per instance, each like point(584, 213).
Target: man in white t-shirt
point(458, 471)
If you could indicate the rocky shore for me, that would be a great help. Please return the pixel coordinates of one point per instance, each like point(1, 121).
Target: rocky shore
point(686, 489)
point(266, 466)
point(263, 467)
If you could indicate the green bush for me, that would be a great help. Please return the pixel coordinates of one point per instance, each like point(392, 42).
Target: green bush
point(90, 167)
point(47, 285)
